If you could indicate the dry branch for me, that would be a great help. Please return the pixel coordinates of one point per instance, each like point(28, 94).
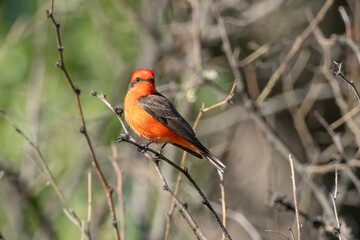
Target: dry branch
point(60, 64)
point(295, 198)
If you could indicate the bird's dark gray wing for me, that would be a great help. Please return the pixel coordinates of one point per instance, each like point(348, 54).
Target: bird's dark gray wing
point(160, 108)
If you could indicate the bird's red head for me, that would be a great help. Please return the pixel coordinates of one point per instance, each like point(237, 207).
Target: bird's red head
point(142, 74)
point(142, 80)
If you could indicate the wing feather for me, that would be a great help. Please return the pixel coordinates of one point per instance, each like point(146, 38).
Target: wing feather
point(160, 108)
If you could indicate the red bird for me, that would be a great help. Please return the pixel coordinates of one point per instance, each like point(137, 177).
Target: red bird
point(153, 117)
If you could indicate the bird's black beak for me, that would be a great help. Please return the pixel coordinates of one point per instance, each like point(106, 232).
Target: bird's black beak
point(150, 79)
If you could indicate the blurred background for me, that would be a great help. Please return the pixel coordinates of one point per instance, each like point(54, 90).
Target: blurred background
point(197, 49)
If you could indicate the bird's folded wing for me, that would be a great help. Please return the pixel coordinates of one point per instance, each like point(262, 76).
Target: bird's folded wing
point(160, 108)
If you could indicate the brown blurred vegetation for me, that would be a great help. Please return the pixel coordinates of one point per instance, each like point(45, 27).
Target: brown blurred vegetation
point(181, 41)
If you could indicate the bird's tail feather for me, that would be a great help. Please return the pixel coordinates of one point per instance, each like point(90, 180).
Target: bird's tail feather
point(207, 154)
point(214, 161)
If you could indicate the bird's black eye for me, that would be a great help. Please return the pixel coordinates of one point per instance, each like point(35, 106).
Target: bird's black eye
point(137, 79)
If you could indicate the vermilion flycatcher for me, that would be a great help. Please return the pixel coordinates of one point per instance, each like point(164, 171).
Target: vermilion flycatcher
point(153, 117)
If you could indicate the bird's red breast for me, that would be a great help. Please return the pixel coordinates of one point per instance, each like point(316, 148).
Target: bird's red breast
point(139, 120)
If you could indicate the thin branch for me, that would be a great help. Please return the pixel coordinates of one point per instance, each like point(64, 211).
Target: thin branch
point(60, 64)
point(89, 201)
point(337, 231)
point(227, 46)
point(291, 234)
point(183, 206)
point(253, 56)
point(119, 191)
point(345, 117)
point(336, 139)
point(323, 169)
point(294, 49)
point(127, 138)
point(73, 216)
point(334, 136)
point(117, 110)
point(242, 220)
point(277, 232)
point(294, 194)
point(338, 73)
point(223, 203)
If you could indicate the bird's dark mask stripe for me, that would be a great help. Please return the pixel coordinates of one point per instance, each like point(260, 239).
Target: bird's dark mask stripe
point(139, 80)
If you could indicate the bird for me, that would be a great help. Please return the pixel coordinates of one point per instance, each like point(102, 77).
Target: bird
point(153, 117)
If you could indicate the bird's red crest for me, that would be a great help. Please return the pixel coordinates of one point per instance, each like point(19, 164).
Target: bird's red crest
point(142, 73)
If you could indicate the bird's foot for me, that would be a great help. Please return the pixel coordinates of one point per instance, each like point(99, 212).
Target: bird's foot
point(123, 137)
point(143, 148)
point(156, 158)
point(162, 147)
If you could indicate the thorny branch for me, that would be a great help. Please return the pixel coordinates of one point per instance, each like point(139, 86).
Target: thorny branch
point(60, 64)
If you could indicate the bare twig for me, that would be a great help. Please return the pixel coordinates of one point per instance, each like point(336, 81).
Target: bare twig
point(337, 230)
point(253, 56)
point(345, 117)
point(60, 64)
point(223, 203)
point(295, 198)
point(119, 191)
point(323, 169)
point(72, 215)
point(227, 46)
point(117, 110)
point(242, 220)
point(291, 234)
point(297, 45)
point(338, 73)
point(183, 206)
point(89, 201)
point(336, 139)
point(277, 232)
